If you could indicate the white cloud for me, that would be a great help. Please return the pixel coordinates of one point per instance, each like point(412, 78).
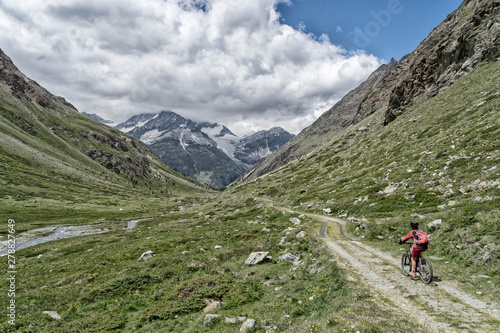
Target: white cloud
point(214, 60)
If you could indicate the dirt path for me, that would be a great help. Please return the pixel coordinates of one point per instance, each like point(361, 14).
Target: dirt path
point(441, 306)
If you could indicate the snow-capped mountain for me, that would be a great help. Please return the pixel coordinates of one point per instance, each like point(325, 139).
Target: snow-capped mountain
point(207, 152)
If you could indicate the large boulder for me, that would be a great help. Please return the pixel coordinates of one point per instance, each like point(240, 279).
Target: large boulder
point(210, 318)
point(288, 257)
point(256, 258)
point(249, 323)
point(146, 255)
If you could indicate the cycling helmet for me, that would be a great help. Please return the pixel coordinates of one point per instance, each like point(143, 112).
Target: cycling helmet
point(414, 224)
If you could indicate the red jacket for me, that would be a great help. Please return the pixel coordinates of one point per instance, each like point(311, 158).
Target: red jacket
point(413, 235)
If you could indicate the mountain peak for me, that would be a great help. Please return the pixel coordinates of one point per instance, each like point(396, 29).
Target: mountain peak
point(207, 152)
point(97, 118)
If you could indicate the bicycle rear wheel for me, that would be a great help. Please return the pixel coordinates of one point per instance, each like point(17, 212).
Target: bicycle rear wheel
point(425, 270)
point(406, 264)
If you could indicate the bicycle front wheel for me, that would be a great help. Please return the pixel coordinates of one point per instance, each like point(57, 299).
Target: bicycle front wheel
point(406, 264)
point(425, 270)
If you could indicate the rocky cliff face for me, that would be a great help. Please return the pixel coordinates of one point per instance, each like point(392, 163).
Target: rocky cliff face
point(51, 131)
point(339, 117)
point(468, 36)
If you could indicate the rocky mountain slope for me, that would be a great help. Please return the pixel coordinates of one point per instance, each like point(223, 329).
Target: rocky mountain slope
point(207, 152)
point(333, 121)
point(51, 145)
point(97, 118)
point(468, 36)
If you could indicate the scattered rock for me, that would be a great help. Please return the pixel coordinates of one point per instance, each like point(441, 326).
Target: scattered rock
point(218, 247)
point(266, 230)
point(288, 257)
point(301, 235)
point(295, 220)
point(196, 264)
point(256, 258)
point(268, 283)
point(146, 255)
point(52, 314)
point(327, 211)
point(210, 318)
point(435, 223)
point(486, 256)
point(391, 189)
point(249, 323)
point(212, 305)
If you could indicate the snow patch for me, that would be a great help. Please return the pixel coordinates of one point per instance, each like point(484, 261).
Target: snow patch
point(151, 136)
point(211, 132)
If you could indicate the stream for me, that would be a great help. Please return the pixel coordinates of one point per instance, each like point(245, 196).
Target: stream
point(30, 238)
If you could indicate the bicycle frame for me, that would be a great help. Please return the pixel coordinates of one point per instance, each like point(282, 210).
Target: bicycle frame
point(424, 267)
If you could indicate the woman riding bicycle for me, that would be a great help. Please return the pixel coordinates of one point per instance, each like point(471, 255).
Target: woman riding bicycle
point(417, 248)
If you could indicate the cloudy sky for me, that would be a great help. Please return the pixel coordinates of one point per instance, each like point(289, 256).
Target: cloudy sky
point(247, 64)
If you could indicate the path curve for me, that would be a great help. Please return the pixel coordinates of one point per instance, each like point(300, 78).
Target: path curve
point(440, 306)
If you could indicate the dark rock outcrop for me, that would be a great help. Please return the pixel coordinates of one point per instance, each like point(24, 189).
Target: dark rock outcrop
point(468, 36)
point(21, 87)
point(339, 117)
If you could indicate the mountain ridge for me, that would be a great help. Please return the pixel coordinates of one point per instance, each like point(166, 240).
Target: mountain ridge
point(208, 152)
point(63, 143)
point(454, 48)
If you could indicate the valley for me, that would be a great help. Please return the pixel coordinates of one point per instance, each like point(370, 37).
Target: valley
point(306, 240)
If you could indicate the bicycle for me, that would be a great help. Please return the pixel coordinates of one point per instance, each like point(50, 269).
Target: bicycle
point(424, 267)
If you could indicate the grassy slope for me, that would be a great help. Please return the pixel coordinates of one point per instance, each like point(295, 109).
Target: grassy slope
point(46, 176)
point(97, 284)
point(443, 158)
